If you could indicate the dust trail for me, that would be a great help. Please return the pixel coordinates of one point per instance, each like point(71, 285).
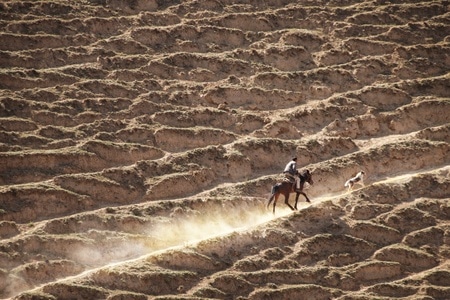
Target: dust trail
point(197, 229)
point(171, 233)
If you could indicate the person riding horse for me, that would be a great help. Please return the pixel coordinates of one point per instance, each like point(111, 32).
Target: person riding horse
point(291, 172)
point(285, 188)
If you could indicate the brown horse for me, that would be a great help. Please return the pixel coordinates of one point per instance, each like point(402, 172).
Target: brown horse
point(286, 188)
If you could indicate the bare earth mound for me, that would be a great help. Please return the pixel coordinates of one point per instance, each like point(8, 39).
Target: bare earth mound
point(139, 141)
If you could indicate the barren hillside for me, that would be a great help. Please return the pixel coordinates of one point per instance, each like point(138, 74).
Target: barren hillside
point(140, 140)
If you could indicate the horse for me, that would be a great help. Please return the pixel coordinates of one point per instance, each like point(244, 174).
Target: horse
point(286, 188)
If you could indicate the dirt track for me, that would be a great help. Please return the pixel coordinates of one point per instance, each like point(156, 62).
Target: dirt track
point(139, 143)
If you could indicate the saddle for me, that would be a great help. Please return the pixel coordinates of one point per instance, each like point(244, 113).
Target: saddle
point(288, 178)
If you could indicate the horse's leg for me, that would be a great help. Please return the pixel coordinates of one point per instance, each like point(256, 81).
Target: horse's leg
point(307, 199)
point(297, 194)
point(286, 200)
point(275, 202)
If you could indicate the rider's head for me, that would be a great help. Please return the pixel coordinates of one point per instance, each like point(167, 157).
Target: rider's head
point(294, 158)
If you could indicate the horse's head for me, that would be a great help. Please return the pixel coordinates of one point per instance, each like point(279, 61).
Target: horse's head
point(308, 177)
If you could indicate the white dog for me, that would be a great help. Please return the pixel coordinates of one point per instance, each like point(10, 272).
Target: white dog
point(358, 179)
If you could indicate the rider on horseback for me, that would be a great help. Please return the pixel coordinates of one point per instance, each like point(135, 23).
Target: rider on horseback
point(291, 173)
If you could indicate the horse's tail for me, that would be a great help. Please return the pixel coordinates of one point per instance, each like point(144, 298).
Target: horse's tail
point(272, 193)
point(275, 188)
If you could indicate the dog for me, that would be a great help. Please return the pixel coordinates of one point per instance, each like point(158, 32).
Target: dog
point(358, 179)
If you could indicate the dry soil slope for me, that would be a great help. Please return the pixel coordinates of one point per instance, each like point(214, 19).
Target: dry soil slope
point(123, 123)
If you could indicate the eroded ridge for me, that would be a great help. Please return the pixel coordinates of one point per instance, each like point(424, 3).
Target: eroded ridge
point(123, 121)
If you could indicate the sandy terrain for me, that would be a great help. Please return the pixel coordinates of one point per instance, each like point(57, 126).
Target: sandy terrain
point(139, 142)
